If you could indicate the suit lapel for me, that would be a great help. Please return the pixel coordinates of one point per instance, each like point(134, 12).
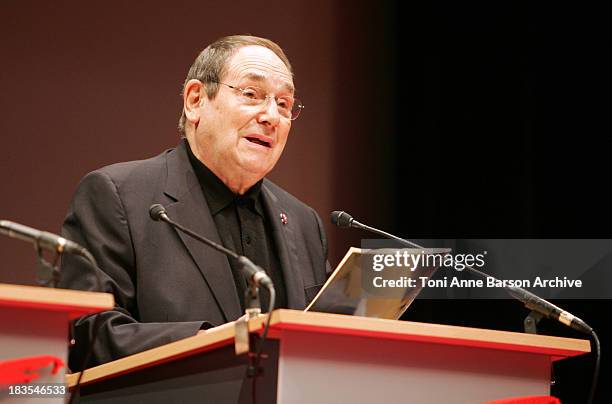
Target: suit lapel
point(285, 241)
point(191, 210)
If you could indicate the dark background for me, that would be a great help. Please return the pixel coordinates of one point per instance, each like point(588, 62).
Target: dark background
point(443, 120)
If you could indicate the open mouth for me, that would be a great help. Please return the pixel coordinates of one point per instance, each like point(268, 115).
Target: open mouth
point(258, 141)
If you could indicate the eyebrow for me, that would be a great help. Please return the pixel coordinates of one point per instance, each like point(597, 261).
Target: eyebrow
point(261, 78)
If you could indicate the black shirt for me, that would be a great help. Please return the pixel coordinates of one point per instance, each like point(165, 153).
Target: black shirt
point(244, 228)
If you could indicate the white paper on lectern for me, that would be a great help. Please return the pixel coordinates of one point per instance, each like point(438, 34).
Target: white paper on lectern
point(345, 291)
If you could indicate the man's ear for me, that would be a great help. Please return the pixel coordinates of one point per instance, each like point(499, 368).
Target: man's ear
point(193, 96)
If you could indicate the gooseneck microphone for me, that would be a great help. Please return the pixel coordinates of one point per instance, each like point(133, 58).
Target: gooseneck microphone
point(255, 274)
point(342, 219)
point(531, 301)
point(43, 239)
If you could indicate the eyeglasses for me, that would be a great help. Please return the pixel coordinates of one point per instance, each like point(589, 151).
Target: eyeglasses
point(288, 107)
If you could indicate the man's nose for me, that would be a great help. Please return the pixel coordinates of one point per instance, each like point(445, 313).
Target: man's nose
point(269, 114)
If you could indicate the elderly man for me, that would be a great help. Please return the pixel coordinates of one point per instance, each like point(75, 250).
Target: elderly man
point(238, 104)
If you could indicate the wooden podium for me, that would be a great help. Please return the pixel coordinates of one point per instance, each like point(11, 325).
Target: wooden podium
point(34, 331)
point(326, 358)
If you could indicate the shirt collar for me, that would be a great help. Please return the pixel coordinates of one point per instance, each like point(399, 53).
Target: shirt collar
point(217, 194)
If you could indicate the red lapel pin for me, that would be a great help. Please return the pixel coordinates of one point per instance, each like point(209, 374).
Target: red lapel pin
point(283, 217)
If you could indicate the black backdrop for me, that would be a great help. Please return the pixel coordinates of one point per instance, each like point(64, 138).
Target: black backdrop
point(501, 125)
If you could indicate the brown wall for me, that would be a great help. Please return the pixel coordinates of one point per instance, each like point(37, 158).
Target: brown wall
point(88, 85)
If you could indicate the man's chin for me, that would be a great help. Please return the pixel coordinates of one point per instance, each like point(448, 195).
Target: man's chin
point(255, 168)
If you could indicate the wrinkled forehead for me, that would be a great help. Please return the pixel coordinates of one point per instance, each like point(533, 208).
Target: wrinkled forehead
point(260, 66)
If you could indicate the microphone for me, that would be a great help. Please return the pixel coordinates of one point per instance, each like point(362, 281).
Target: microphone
point(531, 301)
point(342, 219)
point(43, 239)
point(255, 274)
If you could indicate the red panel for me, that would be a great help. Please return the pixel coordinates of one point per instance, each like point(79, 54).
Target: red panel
point(24, 370)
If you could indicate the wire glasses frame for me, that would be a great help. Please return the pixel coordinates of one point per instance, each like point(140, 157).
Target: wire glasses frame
point(288, 107)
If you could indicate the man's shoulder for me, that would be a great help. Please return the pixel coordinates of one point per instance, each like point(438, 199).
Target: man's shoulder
point(126, 169)
point(135, 171)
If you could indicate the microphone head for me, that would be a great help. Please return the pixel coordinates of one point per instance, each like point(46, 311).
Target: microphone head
point(341, 219)
point(157, 211)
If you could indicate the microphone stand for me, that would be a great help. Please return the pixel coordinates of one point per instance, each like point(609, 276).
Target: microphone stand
point(256, 276)
point(47, 274)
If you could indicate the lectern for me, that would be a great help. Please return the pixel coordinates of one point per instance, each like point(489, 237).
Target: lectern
point(328, 358)
point(34, 332)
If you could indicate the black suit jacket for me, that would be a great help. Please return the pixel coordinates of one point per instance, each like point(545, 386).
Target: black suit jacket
point(167, 286)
